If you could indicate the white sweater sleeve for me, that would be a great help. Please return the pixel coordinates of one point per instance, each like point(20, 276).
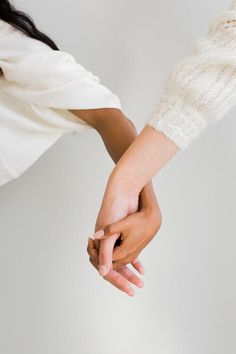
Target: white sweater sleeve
point(200, 89)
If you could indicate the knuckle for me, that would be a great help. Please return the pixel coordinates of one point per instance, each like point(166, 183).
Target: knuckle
point(119, 255)
point(107, 278)
point(108, 229)
point(119, 265)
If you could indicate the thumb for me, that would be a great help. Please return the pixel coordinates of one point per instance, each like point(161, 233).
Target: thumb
point(109, 230)
point(105, 254)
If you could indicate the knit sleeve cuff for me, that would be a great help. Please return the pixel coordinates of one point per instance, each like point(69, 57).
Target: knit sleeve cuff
point(180, 123)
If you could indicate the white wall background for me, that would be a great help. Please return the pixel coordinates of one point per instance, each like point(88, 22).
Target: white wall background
point(52, 301)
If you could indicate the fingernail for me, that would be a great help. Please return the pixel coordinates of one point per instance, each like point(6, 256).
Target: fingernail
point(103, 270)
point(131, 292)
point(142, 270)
point(141, 284)
point(98, 234)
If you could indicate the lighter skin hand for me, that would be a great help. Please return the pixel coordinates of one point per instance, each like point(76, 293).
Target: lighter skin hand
point(122, 278)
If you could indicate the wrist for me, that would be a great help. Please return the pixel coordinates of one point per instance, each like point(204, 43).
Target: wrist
point(123, 184)
point(148, 201)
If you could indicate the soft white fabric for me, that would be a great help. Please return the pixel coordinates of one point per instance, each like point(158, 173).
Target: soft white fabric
point(37, 88)
point(39, 85)
point(200, 89)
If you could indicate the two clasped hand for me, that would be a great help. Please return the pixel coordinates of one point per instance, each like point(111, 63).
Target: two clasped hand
point(124, 227)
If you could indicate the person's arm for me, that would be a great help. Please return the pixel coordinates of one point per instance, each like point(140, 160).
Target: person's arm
point(118, 133)
point(142, 161)
point(199, 91)
point(115, 129)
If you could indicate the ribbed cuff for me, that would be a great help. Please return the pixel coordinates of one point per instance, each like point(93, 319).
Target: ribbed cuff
point(181, 124)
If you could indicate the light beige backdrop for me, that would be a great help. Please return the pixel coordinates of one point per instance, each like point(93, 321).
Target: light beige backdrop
point(51, 300)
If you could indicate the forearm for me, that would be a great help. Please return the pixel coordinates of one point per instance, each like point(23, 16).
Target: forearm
point(142, 160)
point(117, 133)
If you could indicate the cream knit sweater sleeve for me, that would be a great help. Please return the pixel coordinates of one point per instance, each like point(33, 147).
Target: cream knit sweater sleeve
point(200, 89)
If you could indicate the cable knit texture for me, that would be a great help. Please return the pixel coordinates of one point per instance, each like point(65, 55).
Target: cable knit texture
point(201, 88)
